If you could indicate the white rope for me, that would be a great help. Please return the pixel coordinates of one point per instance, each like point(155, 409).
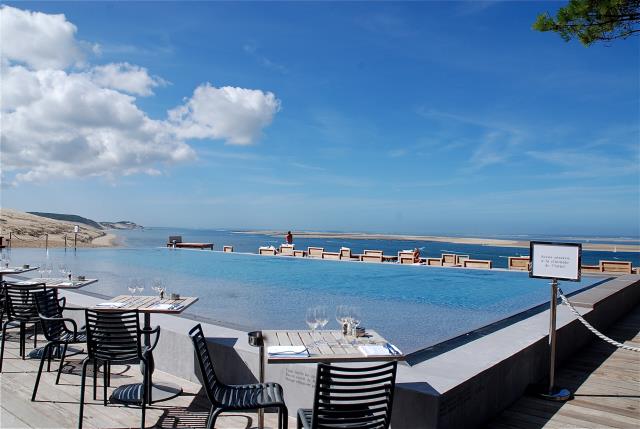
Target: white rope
point(592, 329)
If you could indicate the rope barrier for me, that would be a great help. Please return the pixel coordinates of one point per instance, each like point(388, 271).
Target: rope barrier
point(592, 329)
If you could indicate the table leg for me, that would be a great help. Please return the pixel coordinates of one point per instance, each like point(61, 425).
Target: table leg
point(158, 392)
point(261, 379)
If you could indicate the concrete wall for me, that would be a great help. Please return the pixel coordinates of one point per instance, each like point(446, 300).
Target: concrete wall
point(463, 387)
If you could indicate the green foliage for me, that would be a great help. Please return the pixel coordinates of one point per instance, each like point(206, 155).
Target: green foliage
point(593, 20)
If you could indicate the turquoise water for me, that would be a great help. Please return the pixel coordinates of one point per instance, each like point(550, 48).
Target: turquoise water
point(413, 306)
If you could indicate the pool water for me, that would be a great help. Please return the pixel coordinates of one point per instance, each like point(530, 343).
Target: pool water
point(413, 306)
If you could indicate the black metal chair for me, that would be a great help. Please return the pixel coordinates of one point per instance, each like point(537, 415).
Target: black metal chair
point(56, 331)
point(353, 398)
point(116, 337)
point(243, 397)
point(20, 307)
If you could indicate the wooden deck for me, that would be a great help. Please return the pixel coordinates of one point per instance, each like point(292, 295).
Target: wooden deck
point(57, 405)
point(605, 381)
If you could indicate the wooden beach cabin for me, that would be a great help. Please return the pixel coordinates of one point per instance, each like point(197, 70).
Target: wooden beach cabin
point(372, 256)
point(434, 262)
point(267, 251)
point(448, 259)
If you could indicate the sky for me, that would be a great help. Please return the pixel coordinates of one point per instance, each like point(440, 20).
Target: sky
point(417, 117)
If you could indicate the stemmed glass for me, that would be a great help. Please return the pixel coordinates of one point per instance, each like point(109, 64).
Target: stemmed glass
point(342, 315)
point(159, 287)
point(63, 269)
point(42, 269)
point(140, 286)
point(133, 286)
point(312, 318)
point(49, 269)
point(321, 316)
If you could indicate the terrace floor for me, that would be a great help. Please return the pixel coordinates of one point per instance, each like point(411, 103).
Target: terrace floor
point(606, 385)
point(57, 406)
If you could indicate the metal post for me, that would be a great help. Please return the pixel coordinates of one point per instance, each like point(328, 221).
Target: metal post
point(256, 340)
point(75, 241)
point(65, 242)
point(554, 393)
point(46, 241)
point(10, 241)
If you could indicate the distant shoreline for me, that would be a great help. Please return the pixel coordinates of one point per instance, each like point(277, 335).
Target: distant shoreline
point(604, 247)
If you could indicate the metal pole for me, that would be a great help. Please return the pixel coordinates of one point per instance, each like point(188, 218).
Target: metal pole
point(552, 334)
point(261, 375)
point(552, 392)
point(46, 241)
point(65, 242)
point(10, 241)
point(75, 241)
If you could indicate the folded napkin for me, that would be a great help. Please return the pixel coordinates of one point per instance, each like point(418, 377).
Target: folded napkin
point(110, 304)
point(288, 351)
point(379, 350)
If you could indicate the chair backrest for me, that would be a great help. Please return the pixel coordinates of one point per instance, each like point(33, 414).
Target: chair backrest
point(48, 306)
point(209, 379)
point(113, 335)
point(20, 301)
point(354, 397)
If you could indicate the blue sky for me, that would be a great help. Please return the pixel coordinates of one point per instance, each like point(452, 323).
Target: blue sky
point(433, 117)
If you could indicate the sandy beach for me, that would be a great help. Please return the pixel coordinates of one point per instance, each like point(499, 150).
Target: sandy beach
point(606, 247)
point(28, 230)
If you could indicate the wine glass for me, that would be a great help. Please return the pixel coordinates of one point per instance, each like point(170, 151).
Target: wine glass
point(63, 269)
point(140, 286)
point(42, 269)
point(311, 319)
point(355, 317)
point(342, 315)
point(133, 286)
point(321, 316)
point(49, 269)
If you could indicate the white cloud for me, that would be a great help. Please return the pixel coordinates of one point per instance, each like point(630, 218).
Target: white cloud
point(38, 40)
point(59, 122)
point(126, 77)
point(236, 115)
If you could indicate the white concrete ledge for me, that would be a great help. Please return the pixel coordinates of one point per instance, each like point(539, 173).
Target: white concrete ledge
point(463, 387)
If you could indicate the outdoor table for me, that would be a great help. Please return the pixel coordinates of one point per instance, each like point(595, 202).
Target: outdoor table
point(8, 271)
point(323, 346)
point(147, 305)
point(333, 347)
point(55, 283)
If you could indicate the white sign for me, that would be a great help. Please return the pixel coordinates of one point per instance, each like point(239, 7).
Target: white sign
point(555, 260)
point(76, 228)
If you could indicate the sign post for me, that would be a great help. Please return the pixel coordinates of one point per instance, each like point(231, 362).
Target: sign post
point(554, 261)
point(76, 229)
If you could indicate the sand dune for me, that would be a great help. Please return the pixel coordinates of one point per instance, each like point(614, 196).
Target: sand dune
point(28, 230)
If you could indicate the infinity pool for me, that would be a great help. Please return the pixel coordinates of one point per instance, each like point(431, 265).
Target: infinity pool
point(413, 306)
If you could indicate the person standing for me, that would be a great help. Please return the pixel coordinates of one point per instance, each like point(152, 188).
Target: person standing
point(289, 238)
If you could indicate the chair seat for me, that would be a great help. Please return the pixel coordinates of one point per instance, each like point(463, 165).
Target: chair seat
point(249, 396)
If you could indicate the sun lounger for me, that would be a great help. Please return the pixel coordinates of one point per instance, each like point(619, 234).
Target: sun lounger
point(616, 267)
point(448, 259)
point(176, 241)
point(368, 257)
point(520, 263)
point(287, 249)
point(590, 269)
point(227, 249)
point(477, 263)
point(374, 252)
point(334, 256)
point(315, 252)
point(406, 257)
point(435, 262)
point(269, 251)
point(345, 253)
point(299, 253)
point(461, 258)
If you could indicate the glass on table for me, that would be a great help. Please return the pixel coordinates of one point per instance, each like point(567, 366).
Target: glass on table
point(311, 318)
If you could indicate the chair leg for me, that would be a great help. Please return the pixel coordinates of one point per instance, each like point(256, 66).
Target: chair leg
point(213, 417)
point(95, 381)
point(299, 422)
point(82, 383)
point(105, 366)
point(22, 339)
point(45, 352)
point(145, 390)
point(285, 417)
point(35, 335)
point(49, 357)
point(4, 337)
point(62, 356)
